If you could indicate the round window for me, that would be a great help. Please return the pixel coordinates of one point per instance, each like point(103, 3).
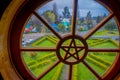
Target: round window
point(65, 40)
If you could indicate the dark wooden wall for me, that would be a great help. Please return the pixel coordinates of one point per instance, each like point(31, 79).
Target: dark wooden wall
point(3, 6)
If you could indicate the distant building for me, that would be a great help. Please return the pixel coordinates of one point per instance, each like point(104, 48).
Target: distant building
point(30, 28)
point(66, 23)
point(55, 26)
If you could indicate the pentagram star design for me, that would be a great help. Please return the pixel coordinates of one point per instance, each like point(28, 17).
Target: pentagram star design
point(72, 50)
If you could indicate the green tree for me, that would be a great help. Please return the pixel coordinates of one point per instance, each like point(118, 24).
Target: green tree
point(89, 20)
point(110, 25)
point(82, 20)
point(55, 11)
point(69, 28)
point(66, 12)
point(61, 27)
point(98, 19)
point(36, 23)
point(81, 28)
point(49, 16)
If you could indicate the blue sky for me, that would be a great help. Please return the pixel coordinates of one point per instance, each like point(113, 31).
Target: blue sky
point(84, 6)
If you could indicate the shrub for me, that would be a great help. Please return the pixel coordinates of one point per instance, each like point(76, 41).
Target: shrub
point(31, 63)
point(51, 38)
point(74, 77)
point(43, 63)
point(96, 62)
point(33, 67)
point(114, 42)
point(100, 60)
point(46, 57)
point(38, 41)
point(58, 72)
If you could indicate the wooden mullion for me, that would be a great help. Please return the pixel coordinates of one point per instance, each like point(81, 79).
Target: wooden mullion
point(48, 70)
point(98, 26)
point(70, 72)
point(93, 71)
point(46, 24)
point(38, 49)
point(74, 16)
point(103, 50)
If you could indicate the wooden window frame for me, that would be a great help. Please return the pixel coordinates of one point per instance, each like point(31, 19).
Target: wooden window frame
point(28, 9)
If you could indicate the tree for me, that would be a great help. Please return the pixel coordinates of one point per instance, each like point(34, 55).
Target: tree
point(55, 11)
point(61, 27)
point(89, 20)
point(78, 13)
point(49, 16)
point(82, 20)
point(66, 13)
point(110, 25)
point(104, 15)
point(98, 19)
point(34, 21)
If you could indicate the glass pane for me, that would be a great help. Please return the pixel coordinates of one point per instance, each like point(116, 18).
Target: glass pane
point(89, 14)
point(37, 34)
point(81, 72)
point(38, 62)
point(106, 37)
point(100, 61)
point(58, 14)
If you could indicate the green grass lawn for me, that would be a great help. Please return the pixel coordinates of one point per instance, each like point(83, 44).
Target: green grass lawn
point(45, 43)
point(106, 33)
point(105, 45)
point(82, 70)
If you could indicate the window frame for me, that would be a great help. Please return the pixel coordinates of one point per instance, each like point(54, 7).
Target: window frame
point(15, 36)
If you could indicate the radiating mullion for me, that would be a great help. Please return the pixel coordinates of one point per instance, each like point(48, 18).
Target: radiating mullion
point(47, 24)
point(74, 16)
point(70, 44)
point(38, 49)
point(103, 50)
point(70, 72)
point(98, 26)
point(93, 71)
point(48, 70)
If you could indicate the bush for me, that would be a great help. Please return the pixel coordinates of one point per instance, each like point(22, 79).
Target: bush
point(33, 67)
point(114, 42)
point(31, 63)
point(51, 38)
point(96, 62)
point(58, 72)
point(46, 57)
point(74, 77)
point(38, 41)
point(100, 60)
point(53, 58)
point(43, 63)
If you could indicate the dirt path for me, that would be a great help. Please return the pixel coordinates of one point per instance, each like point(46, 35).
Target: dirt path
point(65, 72)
